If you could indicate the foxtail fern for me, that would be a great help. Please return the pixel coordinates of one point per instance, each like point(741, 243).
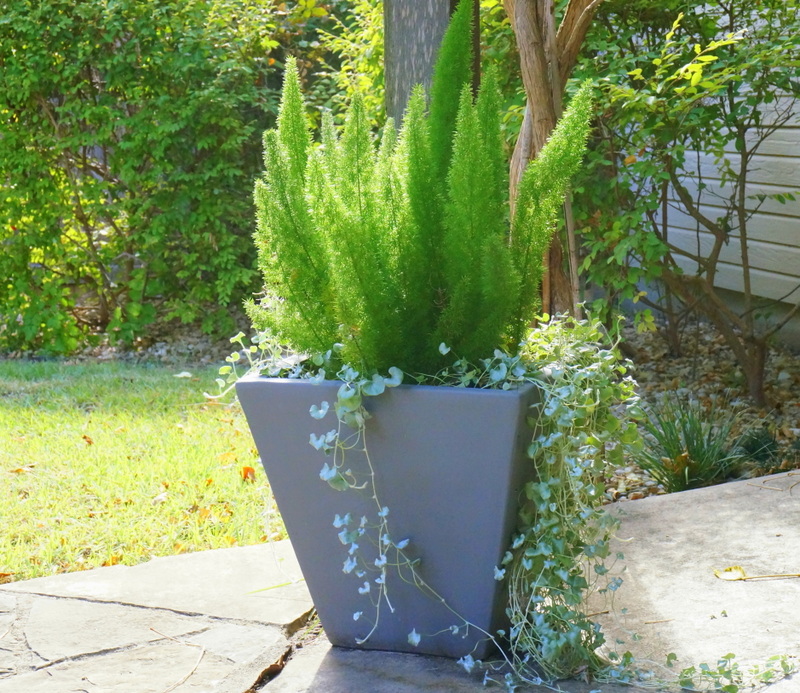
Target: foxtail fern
point(452, 72)
point(383, 248)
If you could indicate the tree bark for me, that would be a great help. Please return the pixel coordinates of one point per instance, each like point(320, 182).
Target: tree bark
point(547, 57)
point(413, 30)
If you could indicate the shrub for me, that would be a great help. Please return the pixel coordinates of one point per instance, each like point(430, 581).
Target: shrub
point(128, 142)
point(681, 87)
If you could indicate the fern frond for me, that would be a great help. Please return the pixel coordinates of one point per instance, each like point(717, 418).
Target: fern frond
point(452, 71)
point(290, 253)
point(540, 195)
point(293, 126)
point(474, 220)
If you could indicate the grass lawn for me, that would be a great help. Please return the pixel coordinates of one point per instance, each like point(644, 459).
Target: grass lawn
point(106, 463)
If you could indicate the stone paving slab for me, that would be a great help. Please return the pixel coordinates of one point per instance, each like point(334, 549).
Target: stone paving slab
point(251, 583)
point(96, 627)
point(145, 669)
point(210, 622)
point(670, 596)
point(71, 652)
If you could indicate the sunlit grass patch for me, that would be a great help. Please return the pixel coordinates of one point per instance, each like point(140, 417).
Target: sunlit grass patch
point(108, 463)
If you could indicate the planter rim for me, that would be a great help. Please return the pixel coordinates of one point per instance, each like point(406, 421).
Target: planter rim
point(514, 388)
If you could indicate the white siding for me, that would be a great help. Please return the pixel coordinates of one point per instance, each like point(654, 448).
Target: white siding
point(773, 230)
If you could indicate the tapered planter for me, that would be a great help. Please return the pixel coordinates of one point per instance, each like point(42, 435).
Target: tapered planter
point(450, 465)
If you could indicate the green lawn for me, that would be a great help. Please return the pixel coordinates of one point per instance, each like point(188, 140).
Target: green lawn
point(107, 463)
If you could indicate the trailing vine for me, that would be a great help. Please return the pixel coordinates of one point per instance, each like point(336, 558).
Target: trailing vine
point(559, 556)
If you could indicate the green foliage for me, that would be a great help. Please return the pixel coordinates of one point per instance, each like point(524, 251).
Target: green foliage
point(451, 73)
point(729, 676)
point(626, 243)
point(541, 193)
point(560, 555)
point(665, 101)
point(357, 41)
point(688, 446)
point(128, 140)
point(357, 246)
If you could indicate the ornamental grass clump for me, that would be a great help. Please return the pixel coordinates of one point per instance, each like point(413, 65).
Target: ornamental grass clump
point(688, 446)
point(391, 248)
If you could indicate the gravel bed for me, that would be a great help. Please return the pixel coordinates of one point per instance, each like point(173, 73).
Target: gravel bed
point(708, 373)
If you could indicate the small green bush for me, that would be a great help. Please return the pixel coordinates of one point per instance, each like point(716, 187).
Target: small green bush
point(128, 141)
point(760, 448)
point(391, 250)
point(688, 446)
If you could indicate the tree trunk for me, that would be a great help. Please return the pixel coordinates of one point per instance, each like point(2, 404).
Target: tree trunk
point(413, 30)
point(547, 57)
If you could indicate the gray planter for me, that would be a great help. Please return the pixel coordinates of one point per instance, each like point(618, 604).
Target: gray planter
point(450, 466)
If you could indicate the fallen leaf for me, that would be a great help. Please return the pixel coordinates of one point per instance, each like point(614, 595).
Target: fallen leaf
point(734, 572)
point(87, 439)
point(22, 470)
point(160, 498)
point(248, 474)
point(209, 482)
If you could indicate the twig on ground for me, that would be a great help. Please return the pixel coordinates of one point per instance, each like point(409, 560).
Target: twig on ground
point(196, 664)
